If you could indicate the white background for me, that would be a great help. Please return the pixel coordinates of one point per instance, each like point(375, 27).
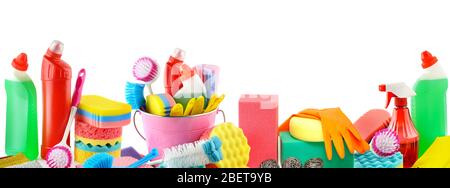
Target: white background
point(312, 53)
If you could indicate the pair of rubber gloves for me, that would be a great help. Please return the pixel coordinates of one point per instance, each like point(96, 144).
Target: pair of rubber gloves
point(336, 128)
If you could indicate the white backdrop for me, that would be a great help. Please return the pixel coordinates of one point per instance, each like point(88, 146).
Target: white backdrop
point(312, 53)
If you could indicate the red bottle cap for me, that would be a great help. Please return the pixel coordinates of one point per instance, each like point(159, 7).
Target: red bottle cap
point(401, 102)
point(428, 60)
point(20, 62)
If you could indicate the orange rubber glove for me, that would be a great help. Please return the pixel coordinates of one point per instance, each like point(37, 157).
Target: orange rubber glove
point(336, 128)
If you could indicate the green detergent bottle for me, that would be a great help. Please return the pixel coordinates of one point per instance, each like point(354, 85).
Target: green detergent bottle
point(21, 111)
point(429, 106)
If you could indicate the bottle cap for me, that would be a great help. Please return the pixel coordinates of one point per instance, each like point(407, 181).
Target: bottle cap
point(56, 47)
point(178, 54)
point(20, 62)
point(428, 60)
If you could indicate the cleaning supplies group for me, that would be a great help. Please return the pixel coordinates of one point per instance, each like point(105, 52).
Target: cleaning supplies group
point(394, 141)
point(188, 91)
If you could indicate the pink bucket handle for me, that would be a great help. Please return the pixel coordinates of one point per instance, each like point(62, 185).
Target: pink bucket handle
point(137, 130)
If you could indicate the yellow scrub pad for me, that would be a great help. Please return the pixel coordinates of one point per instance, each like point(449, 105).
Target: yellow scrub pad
point(82, 155)
point(101, 106)
point(160, 104)
point(235, 148)
point(306, 129)
point(20, 158)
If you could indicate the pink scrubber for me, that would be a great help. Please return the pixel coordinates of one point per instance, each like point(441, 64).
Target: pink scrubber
point(258, 118)
point(371, 122)
point(86, 131)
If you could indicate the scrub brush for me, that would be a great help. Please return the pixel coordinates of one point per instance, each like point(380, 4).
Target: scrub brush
point(189, 155)
point(385, 143)
point(134, 95)
point(99, 160)
point(60, 156)
point(146, 69)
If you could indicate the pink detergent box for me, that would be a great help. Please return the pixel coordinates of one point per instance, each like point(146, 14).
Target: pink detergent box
point(258, 118)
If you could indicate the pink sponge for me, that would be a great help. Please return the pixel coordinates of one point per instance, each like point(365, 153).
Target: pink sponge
point(86, 131)
point(258, 118)
point(371, 122)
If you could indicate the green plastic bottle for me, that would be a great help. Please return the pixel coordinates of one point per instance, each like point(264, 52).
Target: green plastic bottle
point(429, 106)
point(21, 111)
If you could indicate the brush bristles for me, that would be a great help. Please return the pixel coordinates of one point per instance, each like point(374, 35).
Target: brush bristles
point(134, 95)
point(59, 157)
point(145, 69)
point(99, 160)
point(385, 143)
point(186, 155)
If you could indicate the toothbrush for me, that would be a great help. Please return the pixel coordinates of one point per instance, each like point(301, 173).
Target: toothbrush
point(147, 70)
point(60, 156)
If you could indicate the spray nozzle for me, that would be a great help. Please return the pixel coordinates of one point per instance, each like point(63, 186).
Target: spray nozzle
point(399, 91)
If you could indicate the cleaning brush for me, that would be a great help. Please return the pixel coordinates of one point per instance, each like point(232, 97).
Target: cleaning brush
point(60, 156)
point(194, 154)
point(134, 95)
point(99, 160)
point(146, 69)
point(385, 143)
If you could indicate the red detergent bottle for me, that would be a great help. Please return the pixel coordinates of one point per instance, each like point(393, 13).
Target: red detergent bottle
point(173, 72)
point(56, 76)
point(401, 121)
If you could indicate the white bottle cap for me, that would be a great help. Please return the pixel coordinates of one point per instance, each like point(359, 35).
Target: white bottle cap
point(56, 47)
point(178, 54)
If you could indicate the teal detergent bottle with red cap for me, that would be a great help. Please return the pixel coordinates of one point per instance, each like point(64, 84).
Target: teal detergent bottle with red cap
point(21, 135)
point(401, 122)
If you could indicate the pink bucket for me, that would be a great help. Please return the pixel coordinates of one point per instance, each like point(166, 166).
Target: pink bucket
point(164, 132)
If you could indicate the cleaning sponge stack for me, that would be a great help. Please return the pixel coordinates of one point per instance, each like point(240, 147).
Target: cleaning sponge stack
point(98, 127)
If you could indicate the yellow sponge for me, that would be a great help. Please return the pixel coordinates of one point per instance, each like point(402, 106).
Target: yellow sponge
point(101, 106)
point(82, 155)
point(235, 148)
point(306, 129)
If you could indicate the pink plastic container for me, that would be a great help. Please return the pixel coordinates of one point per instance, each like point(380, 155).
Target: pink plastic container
point(163, 132)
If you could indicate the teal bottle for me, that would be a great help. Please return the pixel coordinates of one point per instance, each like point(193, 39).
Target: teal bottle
point(429, 106)
point(21, 111)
